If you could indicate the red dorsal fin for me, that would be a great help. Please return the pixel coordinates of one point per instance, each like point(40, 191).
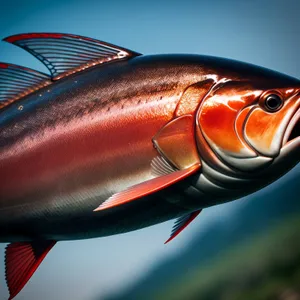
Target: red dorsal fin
point(21, 261)
point(64, 54)
point(17, 82)
point(182, 223)
point(146, 188)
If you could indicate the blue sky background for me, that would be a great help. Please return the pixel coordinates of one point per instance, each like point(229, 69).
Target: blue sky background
point(262, 32)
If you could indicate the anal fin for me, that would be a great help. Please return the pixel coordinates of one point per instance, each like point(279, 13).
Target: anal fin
point(21, 261)
point(181, 223)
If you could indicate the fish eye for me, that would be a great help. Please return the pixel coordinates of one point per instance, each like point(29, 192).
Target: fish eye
point(273, 102)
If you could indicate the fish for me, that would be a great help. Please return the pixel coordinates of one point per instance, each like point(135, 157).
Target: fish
point(111, 141)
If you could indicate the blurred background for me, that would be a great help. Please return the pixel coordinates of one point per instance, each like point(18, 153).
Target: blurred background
point(247, 249)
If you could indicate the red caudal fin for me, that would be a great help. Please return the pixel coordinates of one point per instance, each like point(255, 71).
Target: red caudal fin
point(182, 223)
point(21, 261)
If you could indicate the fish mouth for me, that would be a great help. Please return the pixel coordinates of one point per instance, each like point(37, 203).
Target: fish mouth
point(292, 131)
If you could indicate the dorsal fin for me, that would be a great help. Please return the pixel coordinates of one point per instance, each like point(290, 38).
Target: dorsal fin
point(64, 54)
point(17, 82)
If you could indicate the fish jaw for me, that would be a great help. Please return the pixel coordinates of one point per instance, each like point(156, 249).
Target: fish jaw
point(291, 140)
point(289, 153)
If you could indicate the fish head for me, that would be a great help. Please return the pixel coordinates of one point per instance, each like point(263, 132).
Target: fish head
point(250, 129)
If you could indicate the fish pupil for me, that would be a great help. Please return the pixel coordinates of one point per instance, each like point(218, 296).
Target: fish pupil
point(273, 102)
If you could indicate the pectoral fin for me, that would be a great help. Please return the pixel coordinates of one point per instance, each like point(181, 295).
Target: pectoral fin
point(176, 142)
point(182, 223)
point(146, 188)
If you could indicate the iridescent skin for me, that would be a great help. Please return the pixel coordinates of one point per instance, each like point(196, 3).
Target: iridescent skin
point(68, 147)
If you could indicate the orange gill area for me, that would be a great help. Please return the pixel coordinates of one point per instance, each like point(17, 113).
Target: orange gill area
point(218, 114)
point(264, 130)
